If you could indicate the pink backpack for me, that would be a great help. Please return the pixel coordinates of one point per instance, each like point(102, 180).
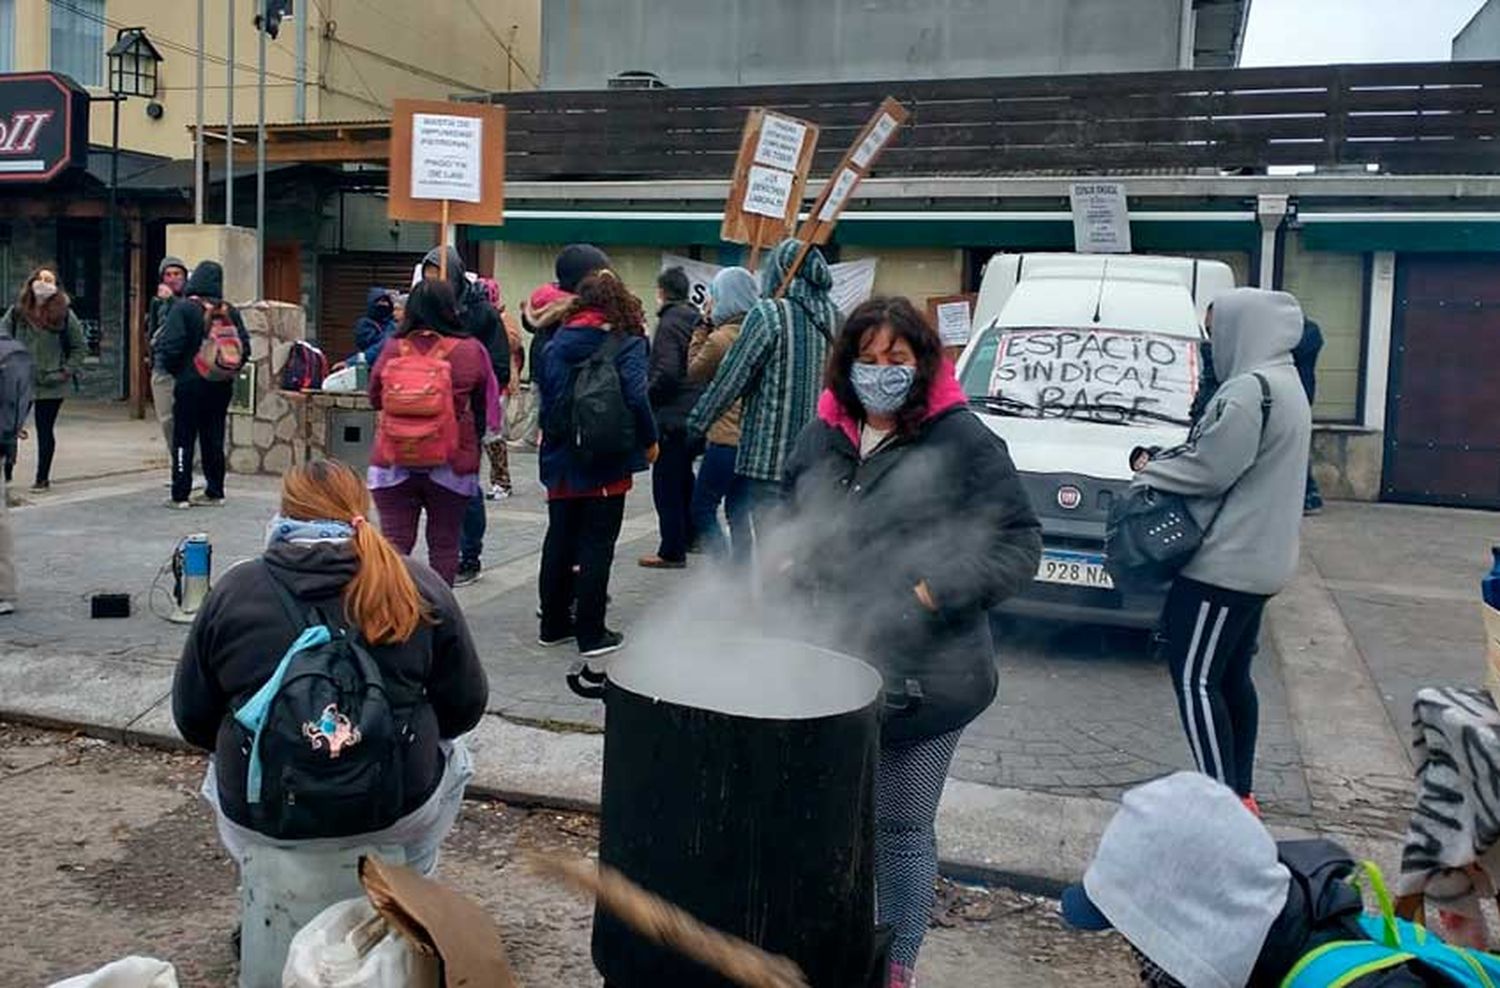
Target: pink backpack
point(418, 424)
point(221, 355)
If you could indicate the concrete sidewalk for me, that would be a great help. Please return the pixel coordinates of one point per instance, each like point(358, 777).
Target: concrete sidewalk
point(1071, 726)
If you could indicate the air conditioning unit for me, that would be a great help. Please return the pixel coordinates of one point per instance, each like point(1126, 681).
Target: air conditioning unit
point(636, 80)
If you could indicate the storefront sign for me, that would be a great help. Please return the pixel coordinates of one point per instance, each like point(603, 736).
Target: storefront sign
point(44, 127)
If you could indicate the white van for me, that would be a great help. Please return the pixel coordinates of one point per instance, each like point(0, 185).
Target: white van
point(1076, 360)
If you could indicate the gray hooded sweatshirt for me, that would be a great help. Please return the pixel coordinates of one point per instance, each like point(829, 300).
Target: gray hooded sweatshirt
point(1190, 877)
point(1257, 474)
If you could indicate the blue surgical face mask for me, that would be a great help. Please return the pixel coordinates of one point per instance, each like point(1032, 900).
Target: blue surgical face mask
point(882, 390)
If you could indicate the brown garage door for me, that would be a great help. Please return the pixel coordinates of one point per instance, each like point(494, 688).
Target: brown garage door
point(343, 281)
point(1443, 430)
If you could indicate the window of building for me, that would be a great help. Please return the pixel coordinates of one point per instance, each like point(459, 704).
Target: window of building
point(78, 40)
point(1331, 288)
point(7, 35)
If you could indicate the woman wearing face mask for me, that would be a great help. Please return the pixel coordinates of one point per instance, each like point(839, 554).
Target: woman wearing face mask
point(916, 525)
point(44, 323)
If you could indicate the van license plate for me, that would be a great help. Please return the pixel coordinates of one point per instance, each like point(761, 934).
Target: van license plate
point(1075, 569)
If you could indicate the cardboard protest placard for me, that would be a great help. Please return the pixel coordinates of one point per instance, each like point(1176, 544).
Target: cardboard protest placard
point(770, 179)
point(1104, 375)
point(1101, 218)
point(447, 163)
point(839, 189)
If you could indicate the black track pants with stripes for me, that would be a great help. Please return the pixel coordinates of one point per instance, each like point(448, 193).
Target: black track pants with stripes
point(1210, 636)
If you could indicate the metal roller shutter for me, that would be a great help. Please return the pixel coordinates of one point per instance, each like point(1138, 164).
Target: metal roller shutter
point(343, 281)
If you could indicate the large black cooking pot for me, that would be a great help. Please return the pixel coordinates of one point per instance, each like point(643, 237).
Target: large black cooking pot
point(739, 784)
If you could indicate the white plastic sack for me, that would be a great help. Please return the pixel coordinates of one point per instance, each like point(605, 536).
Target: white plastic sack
point(342, 381)
point(131, 972)
point(323, 956)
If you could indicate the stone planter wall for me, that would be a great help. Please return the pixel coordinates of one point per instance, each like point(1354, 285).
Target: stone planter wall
point(1347, 462)
point(264, 442)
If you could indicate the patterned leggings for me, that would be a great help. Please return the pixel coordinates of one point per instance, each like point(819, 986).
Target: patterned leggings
point(908, 785)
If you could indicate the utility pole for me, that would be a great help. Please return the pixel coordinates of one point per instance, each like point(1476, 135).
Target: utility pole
point(260, 164)
point(198, 131)
point(303, 18)
point(229, 126)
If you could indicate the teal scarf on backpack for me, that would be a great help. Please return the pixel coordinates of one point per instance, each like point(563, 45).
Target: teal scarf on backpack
point(252, 716)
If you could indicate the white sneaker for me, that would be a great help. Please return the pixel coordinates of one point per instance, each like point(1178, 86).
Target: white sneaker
point(497, 493)
point(7, 607)
point(179, 505)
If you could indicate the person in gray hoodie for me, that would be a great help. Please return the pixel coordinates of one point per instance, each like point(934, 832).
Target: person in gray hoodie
point(1242, 471)
point(1207, 898)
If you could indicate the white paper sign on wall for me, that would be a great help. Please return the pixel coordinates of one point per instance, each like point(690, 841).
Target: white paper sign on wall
point(445, 156)
point(1101, 218)
point(954, 322)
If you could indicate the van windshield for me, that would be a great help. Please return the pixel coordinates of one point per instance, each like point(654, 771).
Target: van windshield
point(1098, 375)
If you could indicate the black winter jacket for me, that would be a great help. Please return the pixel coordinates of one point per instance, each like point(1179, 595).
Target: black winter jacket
point(672, 394)
point(481, 321)
point(945, 507)
point(185, 327)
point(242, 631)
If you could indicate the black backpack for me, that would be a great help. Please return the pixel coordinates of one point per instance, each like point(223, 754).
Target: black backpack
point(325, 746)
point(599, 426)
point(305, 368)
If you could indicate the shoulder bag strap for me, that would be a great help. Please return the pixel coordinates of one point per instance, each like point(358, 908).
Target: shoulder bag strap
point(612, 346)
point(300, 618)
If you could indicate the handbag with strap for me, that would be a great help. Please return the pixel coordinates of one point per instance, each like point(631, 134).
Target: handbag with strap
point(1152, 535)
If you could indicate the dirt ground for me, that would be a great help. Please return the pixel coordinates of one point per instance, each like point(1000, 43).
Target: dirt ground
point(110, 852)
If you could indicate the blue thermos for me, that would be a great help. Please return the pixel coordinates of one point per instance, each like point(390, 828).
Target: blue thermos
point(194, 565)
point(1489, 587)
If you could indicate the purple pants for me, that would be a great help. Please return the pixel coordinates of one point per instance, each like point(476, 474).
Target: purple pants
point(400, 509)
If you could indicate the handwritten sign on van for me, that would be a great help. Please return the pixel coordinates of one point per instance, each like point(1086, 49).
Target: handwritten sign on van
point(1102, 375)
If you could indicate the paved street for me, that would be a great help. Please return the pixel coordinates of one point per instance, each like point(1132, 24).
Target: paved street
point(1081, 711)
point(1382, 604)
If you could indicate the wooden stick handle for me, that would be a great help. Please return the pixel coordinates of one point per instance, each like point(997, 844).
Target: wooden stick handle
point(659, 920)
point(443, 253)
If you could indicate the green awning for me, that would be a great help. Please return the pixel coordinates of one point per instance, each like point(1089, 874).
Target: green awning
point(1454, 235)
point(1006, 231)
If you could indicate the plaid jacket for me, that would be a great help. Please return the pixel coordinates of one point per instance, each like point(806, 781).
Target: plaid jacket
point(776, 365)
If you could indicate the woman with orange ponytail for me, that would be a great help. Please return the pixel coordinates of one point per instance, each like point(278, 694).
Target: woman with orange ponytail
point(325, 558)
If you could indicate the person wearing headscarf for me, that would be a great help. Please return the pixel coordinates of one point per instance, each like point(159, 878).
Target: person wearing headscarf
point(776, 368)
point(731, 295)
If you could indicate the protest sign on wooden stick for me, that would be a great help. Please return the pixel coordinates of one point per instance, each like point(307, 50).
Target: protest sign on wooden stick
point(447, 164)
point(839, 189)
point(770, 179)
